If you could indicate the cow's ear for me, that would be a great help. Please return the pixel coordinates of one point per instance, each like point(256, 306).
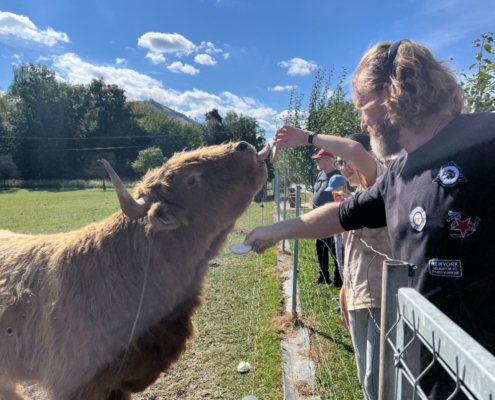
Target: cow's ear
point(164, 216)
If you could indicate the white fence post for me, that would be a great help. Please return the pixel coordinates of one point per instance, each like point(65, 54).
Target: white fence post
point(296, 256)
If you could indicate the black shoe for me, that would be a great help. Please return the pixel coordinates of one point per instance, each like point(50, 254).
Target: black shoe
point(322, 280)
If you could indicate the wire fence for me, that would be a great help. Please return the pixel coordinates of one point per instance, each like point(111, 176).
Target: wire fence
point(409, 325)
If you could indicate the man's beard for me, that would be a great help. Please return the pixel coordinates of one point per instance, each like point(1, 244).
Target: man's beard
point(384, 138)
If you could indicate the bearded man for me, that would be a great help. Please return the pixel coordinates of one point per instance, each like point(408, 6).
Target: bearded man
point(430, 198)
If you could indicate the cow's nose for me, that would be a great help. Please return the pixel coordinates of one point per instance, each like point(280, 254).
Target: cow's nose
point(242, 146)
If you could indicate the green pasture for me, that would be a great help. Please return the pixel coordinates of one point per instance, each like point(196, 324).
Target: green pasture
point(233, 325)
point(235, 322)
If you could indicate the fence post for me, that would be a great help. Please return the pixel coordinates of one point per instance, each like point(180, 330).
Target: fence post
point(286, 181)
point(277, 194)
point(296, 256)
point(395, 275)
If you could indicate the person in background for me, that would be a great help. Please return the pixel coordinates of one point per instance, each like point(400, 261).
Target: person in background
point(428, 198)
point(360, 296)
point(321, 196)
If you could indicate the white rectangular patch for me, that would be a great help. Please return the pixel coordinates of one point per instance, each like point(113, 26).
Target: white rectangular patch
point(446, 268)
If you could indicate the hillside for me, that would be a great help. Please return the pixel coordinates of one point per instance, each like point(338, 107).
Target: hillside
point(179, 117)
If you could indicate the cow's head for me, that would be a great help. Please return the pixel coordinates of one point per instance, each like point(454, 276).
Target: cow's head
point(215, 183)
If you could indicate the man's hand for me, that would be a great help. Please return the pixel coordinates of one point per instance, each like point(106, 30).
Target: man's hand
point(343, 309)
point(261, 238)
point(339, 196)
point(288, 136)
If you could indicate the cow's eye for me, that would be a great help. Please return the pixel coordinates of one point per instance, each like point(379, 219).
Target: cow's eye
point(190, 181)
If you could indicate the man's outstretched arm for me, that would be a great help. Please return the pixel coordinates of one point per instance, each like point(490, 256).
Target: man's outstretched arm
point(320, 223)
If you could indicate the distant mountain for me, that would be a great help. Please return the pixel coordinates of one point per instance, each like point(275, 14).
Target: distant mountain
point(179, 117)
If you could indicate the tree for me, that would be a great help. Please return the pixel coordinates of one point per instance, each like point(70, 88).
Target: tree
point(329, 112)
point(242, 127)
point(214, 132)
point(480, 87)
point(8, 169)
point(38, 110)
point(163, 131)
point(147, 159)
point(232, 128)
point(7, 144)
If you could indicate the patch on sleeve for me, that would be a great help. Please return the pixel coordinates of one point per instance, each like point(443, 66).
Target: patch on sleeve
point(445, 268)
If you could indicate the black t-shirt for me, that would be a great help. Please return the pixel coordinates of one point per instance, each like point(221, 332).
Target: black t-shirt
point(439, 205)
point(321, 197)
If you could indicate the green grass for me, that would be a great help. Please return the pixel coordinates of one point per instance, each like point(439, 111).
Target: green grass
point(331, 343)
point(233, 325)
point(44, 212)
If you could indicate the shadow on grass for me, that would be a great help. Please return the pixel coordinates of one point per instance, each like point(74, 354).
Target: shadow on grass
point(344, 345)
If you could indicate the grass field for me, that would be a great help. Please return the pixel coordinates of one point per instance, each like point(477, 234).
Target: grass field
point(234, 324)
point(331, 344)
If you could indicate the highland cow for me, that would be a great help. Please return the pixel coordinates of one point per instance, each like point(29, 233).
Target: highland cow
point(100, 312)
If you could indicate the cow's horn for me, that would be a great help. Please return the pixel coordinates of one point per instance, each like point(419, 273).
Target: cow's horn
point(131, 207)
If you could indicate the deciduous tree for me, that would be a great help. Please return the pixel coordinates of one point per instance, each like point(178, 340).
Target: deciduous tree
point(147, 159)
point(480, 87)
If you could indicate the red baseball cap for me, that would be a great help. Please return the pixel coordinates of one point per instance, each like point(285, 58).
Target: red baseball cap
point(323, 153)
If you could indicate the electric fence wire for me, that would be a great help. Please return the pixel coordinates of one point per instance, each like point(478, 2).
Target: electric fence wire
point(320, 345)
point(354, 289)
point(321, 352)
point(377, 325)
point(254, 319)
point(318, 306)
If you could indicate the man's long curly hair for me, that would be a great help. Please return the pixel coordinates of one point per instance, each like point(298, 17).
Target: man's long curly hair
point(420, 86)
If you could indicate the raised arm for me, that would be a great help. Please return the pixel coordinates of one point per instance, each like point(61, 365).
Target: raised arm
point(321, 222)
point(350, 150)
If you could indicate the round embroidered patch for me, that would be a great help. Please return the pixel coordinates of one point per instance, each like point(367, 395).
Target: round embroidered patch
point(417, 218)
point(449, 174)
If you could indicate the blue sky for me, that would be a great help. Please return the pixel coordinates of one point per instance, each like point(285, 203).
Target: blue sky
point(241, 55)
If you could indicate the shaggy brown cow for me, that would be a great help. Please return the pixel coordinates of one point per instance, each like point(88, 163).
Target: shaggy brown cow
point(70, 302)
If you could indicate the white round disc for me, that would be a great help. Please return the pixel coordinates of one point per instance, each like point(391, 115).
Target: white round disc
point(243, 367)
point(240, 248)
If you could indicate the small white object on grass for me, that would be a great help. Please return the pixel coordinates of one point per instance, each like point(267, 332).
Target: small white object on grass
point(243, 367)
point(240, 248)
point(250, 397)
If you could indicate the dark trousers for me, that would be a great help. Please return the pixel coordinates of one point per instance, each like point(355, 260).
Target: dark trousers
point(323, 248)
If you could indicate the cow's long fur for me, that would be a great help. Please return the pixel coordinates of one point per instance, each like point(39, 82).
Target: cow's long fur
point(68, 302)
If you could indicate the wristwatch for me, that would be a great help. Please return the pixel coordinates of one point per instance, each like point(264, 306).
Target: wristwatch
point(311, 136)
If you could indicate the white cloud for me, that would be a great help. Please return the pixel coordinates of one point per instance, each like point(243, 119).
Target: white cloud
point(42, 58)
point(178, 67)
point(21, 27)
point(282, 88)
point(204, 59)
point(194, 103)
point(225, 55)
point(298, 66)
point(161, 43)
point(208, 48)
point(120, 61)
point(156, 58)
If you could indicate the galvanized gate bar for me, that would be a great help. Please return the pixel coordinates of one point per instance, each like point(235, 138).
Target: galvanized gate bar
point(454, 346)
